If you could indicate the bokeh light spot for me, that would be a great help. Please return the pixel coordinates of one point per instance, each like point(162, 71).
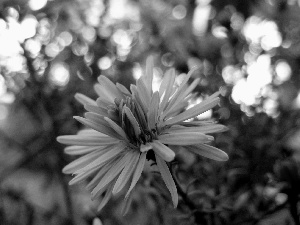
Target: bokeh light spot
point(28, 27)
point(37, 4)
point(59, 74)
point(179, 12)
point(104, 63)
point(283, 72)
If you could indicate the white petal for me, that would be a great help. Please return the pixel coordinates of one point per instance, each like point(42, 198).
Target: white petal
point(116, 128)
point(81, 150)
point(110, 87)
point(126, 173)
point(110, 175)
point(182, 95)
point(108, 154)
point(148, 79)
point(208, 151)
point(142, 92)
point(163, 151)
point(82, 176)
point(134, 123)
point(97, 125)
point(194, 111)
point(168, 179)
point(96, 109)
point(123, 89)
point(106, 197)
point(205, 129)
point(84, 99)
point(86, 140)
point(168, 81)
point(137, 173)
point(146, 147)
point(181, 88)
point(153, 108)
point(81, 162)
point(184, 138)
point(102, 171)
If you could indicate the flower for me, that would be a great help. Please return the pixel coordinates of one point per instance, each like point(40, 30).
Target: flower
point(123, 126)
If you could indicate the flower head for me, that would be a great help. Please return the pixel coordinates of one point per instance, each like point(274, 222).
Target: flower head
point(124, 125)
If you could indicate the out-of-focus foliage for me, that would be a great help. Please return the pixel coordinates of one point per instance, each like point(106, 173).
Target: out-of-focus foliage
point(49, 50)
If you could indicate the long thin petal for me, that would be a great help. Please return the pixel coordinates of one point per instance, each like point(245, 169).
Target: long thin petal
point(149, 74)
point(153, 109)
point(126, 204)
point(81, 162)
point(134, 123)
point(106, 197)
point(109, 154)
point(104, 94)
point(110, 175)
point(208, 152)
point(126, 173)
point(142, 92)
point(167, 178)
point(96, 125)
point(163, 151)
point(138, 172)
point(86, 140)
point(82, 176)
point(167, 81)
point(183, 95)
point(84, 99)
point(110, 87)
point(96, 109)
point(81, 150)
point(90, 132)
point(123, 89)
point(181, 88)
point(205, 129)
point(192, 112)
point(116, 128)
point(138, 98)
point(102, 171)
point(184, 138)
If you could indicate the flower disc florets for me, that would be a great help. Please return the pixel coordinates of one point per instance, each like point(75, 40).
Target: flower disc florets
point(124, 125)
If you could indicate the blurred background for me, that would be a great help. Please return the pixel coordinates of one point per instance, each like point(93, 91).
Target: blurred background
point(249, 49)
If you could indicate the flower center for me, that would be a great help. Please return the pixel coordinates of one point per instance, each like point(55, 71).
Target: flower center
point(134, 123)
